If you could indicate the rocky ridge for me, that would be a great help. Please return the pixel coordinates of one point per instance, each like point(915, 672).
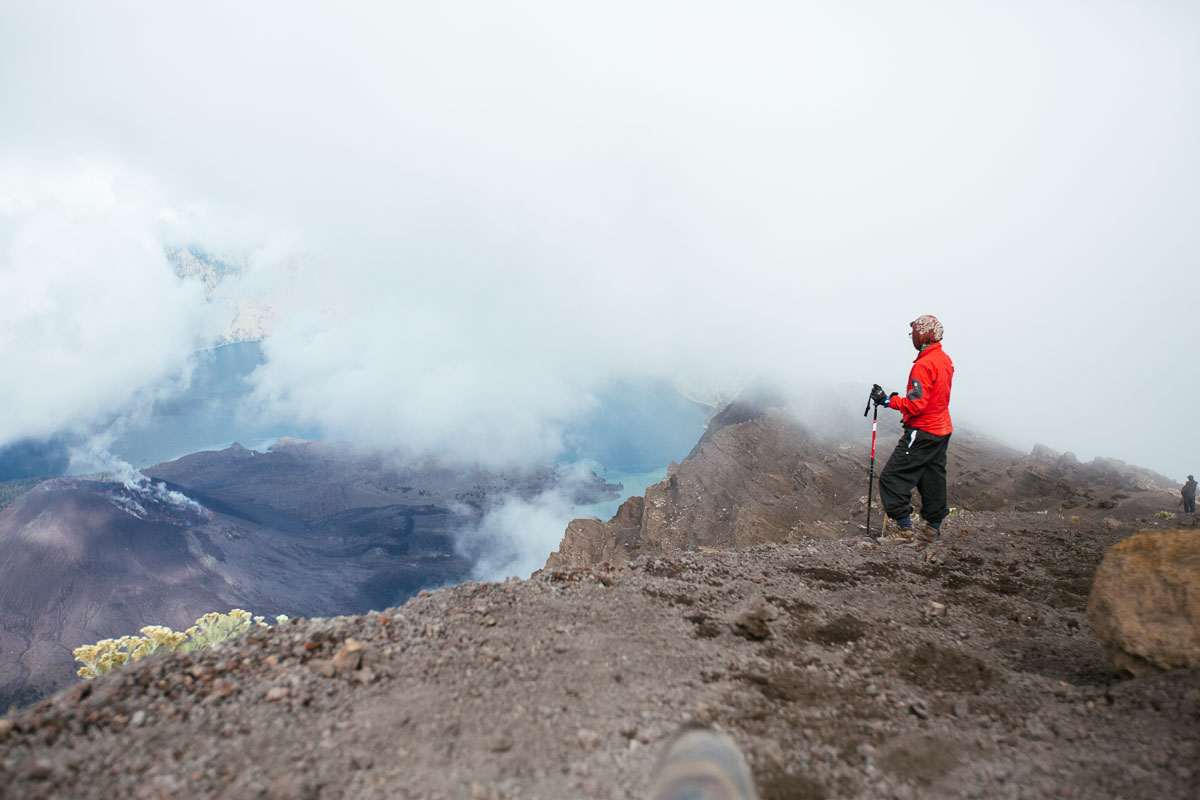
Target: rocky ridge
point(759, 475)
point(842, 669)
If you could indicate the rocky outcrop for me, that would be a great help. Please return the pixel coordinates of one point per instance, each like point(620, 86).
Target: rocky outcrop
point(595, 542)
point(759, 475)
point(1145, 602)
point(764, 478)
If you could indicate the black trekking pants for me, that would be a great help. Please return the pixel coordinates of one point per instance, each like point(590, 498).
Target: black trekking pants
point(1189, 505)
point(919, 460)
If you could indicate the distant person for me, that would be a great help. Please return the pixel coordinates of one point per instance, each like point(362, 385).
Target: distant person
point(919, 459)
point(1189, 496)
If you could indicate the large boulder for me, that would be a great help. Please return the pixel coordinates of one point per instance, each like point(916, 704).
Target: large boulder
point(1145, 602)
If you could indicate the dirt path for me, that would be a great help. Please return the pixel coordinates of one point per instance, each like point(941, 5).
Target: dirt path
point(843, 679)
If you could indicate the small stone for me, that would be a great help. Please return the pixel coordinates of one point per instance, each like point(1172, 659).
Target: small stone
point(920, 708)
point(961, 708)
point(138, 719)
point(6, 727)
point(276, 693)
point(501, 743)
point(754, 623)
point(39, 771)
point(323, 667)
point(588, 738)
point(935, 610)
point(350, 657)
point(69, 698)
point(650, 733)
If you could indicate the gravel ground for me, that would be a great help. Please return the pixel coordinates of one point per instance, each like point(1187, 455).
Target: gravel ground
point(842, 670)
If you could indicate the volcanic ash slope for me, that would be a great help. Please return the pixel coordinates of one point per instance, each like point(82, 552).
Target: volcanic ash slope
point(842, 670)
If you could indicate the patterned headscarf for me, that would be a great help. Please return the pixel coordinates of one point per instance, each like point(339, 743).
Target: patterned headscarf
point(927, 329)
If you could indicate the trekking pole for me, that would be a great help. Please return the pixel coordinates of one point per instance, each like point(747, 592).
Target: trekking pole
point(871, 479)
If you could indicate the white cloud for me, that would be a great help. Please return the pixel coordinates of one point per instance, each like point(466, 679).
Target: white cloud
point(93, 315)
point(515, 537)
point(498, 207)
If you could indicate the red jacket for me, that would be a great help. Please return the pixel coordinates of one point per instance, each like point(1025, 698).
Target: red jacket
point(926, 405)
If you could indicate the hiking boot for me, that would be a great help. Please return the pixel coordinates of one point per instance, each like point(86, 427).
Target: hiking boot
point(930, 535)
point(895, 532)
point(703, 765)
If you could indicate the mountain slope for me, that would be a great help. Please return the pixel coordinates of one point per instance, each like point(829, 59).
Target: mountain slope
point(82, 561)
point(304, 529)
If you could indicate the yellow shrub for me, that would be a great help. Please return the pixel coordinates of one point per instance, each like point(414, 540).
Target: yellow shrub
point(108, 654)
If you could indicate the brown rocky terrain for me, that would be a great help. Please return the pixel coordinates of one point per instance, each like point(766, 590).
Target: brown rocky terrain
point(842, 669)
point(739, 593)
point(758, 475)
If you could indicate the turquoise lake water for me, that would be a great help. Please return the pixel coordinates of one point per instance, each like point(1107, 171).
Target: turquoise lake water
point(635, 485)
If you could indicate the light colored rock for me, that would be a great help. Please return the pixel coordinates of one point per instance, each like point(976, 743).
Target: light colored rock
point(350, 657)
point(1145, 602)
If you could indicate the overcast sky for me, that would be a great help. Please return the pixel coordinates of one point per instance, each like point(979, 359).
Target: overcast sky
point(470, 216)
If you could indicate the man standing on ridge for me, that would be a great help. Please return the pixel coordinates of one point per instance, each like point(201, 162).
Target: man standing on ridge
point(1188, 493)
point(920, 457)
